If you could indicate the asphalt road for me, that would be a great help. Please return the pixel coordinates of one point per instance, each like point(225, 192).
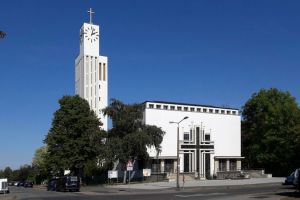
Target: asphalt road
point(264, 191)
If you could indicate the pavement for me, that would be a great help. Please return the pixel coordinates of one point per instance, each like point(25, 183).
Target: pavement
point(172, 185)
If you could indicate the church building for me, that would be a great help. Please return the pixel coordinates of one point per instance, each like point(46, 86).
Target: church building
point(209, 138)
point(206, 139)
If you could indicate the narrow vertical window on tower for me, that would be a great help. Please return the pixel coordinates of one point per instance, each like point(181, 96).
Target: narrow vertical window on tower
point(91, 70)
point(100, 70)
point(95, 70)
point(87, 70)
point(104, 72)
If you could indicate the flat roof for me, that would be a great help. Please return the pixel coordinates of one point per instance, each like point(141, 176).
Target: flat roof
point(190, 104)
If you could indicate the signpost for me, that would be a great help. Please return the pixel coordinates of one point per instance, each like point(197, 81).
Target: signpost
point(129, 167)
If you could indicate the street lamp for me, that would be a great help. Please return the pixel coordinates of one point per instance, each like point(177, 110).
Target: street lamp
point(177, 168)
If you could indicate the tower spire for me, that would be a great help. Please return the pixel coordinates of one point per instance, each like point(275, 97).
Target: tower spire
point(91, 15)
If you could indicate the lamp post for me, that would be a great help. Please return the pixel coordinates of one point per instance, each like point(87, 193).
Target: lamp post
point(177, 167)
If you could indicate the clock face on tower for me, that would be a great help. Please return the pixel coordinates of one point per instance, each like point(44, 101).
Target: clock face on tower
point(89, 33)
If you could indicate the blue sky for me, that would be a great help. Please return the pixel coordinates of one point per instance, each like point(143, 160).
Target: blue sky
point(205, 52)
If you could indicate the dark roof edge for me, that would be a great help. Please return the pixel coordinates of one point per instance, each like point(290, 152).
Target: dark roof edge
point(189, 104)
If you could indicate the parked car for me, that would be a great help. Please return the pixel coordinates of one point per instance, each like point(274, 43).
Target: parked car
point(296, 178)
point(28, 184)
point(52, 184)
point(64, 183)
point(289, 180)
point(21, 183)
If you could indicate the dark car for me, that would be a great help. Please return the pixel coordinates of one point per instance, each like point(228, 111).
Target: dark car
point(64, 183)
point(68, 183)
point(21, 183)
point(52, 184)
point(289, 179)
point(28, 184)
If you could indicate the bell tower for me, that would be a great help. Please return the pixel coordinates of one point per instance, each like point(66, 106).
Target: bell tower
point(91, 70)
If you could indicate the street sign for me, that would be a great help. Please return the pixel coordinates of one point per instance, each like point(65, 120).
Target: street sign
point(146, 172)
point(129, 166)
point(112, 174)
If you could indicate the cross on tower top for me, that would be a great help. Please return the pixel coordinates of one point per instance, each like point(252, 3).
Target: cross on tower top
point(91, 15)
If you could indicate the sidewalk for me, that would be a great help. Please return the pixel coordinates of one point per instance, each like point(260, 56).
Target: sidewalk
point(196, 183)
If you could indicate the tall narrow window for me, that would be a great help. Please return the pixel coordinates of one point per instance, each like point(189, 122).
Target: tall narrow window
point(95, 69)
point(87, 70)
point(100, 70)
point(104, 72)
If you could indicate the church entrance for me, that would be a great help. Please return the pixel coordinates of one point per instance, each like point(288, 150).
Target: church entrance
point(197, 149)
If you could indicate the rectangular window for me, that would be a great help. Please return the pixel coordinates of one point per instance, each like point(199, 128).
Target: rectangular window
point(151, 106)
point(222, 111)
point(186, 108)
point(204, 110)
point(198, 109)
point(222, 165)
point(158, 106)
point(104, 72)
point(216, 111)
point(186, 136)
point(210, 110)
point(192, 109)
point(165, 107)
point(100, 70)
point(172, 107)
point(178, 107)
point(207, 137)
point(228, 112)
point(234, 112)
point(232, 165)
point(95, 71)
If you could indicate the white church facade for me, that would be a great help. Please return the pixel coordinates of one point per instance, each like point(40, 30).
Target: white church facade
point(209, 136)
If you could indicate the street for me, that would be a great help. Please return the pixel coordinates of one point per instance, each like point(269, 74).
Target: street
point(260, 191)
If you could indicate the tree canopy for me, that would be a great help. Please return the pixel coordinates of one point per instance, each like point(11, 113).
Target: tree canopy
point(75, 137)
point(39, 164)
point(270, 131)
point(2, 34)
point(129, 136)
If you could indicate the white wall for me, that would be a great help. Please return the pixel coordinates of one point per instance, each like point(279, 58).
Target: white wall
point(225, 129)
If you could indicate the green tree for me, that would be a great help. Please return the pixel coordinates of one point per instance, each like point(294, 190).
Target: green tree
point(24, 173)
point(270, 131)
point(39, 164)
point(129, 136)
point(8, 173)
point(74, 138)
point(2, 34)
